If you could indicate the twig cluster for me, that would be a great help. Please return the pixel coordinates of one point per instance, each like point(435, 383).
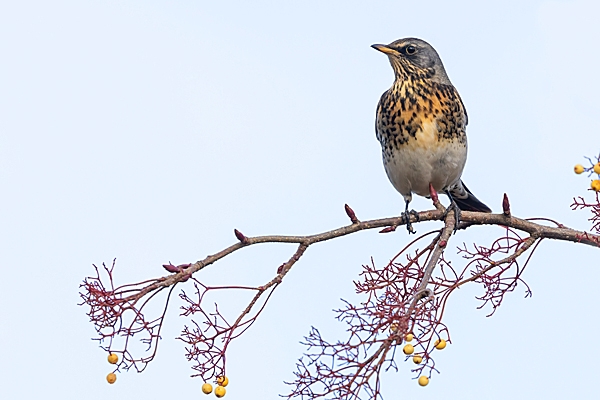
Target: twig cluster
point(206, 343)
point(579, 203)
point(408, 295)
point(118, 314)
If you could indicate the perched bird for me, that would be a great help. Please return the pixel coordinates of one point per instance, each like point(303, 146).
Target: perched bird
point(421, 122)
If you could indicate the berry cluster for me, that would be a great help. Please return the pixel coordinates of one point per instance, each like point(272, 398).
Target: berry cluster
point(220, 391)
point(593, 169)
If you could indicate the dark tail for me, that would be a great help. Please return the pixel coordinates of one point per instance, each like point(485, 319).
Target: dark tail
point(465, 200)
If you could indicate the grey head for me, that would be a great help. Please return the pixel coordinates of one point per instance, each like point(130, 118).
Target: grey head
point(414, 58)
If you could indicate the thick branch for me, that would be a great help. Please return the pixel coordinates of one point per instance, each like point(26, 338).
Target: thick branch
point(441, 244)
point(468, 218)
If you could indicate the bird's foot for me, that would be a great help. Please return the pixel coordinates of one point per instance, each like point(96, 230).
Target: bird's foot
point(406, 220)
point(453, 207)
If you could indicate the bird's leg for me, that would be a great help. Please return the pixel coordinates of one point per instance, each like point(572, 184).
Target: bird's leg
point(406, 218)
point(454, 207)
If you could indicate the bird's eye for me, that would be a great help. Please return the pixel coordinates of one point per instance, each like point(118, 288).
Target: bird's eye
point(410, 49)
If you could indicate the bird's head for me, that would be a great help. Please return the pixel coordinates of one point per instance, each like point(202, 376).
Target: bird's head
point(414, 58)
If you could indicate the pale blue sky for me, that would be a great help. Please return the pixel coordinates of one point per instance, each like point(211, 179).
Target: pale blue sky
point(148, 130)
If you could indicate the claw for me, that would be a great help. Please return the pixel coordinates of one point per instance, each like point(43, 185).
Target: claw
point(456, 217)
point(416, 214)
point(406, 220)
point(453, 206)
point(406, 217)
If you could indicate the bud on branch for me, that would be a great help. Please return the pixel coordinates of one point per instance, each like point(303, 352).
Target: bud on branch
point(351, 214)
point(506, 206)
point(243, 239)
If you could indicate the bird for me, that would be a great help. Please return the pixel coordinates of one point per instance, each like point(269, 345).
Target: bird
point(421, 125)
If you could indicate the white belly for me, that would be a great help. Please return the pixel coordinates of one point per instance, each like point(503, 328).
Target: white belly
point(426, 160)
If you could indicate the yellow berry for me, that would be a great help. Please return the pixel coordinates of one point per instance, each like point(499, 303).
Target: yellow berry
point(597, 168)
point(113, 358)
point(440, 344)
point(223, 381)
point(410, 337)
point(207, 388)
point(417, 359)
point(220, 391)
point(393, 328)
point(111, 378)
point(423, 380)
point(596, 185)
point(408, 349)
point(579, 169)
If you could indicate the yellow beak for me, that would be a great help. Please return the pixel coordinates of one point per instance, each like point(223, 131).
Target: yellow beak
point(384, 49)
